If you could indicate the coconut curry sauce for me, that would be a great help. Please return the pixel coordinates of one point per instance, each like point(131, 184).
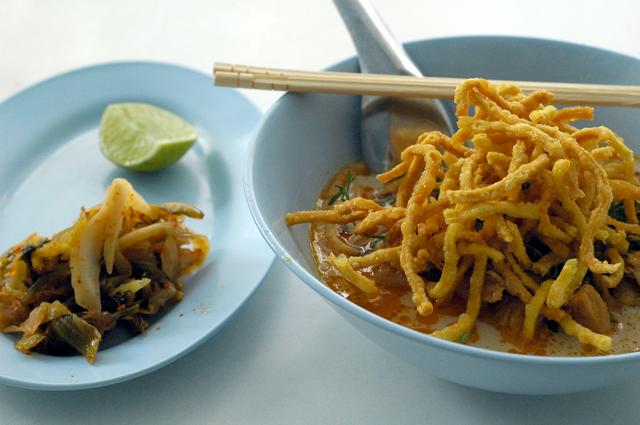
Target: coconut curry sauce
point(500, 322)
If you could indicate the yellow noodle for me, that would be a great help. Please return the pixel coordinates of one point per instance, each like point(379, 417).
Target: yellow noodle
point(544, 264)
point(480, 249)
point(386, 217)
point(450, 180)
point(466, 173)
point(602, 154)
point(568, 281)
point(502, 229)
point(555, 245)
point(526, 280)
point(519, 156)
point(589, 189)
point(363, 283)
point(517, 245)
point(394, 173)
point(569, 230)
point(614, 279)
point(629, 228)
point(381, 255)
point(466, 320)
point(499, 162)
point(560, 169)
point(329, 216)
point(425, 184)
point(447, 279)
point(485, 209)
point(532, 309)
point(344, 212)
point(625, 190)
point(512, 181)
point(545, 226)
point(630, 210)
point(408, 182)
point(573, 328)
point(513, 284)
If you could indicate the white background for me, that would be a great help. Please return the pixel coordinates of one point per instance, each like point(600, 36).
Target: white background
point(288, 358)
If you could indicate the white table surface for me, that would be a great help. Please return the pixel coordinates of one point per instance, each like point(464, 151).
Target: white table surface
point(287, 358)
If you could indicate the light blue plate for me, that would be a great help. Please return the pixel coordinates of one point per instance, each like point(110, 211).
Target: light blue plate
point(316, 134)
point(51, 165)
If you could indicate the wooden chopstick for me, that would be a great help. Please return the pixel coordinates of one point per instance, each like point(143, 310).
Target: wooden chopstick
point(252, 77)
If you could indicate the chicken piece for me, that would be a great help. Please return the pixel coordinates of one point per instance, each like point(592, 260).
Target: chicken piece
point(627, 293)
point(589, 309)
point(493, 289)
point(388, 274)
point(394, 235)
point(510, 314)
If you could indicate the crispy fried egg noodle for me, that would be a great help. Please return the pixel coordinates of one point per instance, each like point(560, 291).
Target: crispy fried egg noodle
point(515, 171)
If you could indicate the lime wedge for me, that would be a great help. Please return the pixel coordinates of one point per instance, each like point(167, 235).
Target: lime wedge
point(143, 137)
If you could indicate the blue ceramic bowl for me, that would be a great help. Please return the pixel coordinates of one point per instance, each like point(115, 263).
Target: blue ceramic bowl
point(304, 139)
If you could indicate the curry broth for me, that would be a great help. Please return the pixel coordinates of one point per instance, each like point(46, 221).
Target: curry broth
point(393, 300)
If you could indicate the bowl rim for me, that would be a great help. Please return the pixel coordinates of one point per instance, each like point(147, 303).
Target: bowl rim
point(384, 324)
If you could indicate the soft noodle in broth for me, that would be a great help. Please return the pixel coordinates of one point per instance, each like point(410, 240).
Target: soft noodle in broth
point(517, 233)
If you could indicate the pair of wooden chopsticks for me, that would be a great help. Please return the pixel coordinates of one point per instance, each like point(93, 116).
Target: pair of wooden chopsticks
point(252, 77)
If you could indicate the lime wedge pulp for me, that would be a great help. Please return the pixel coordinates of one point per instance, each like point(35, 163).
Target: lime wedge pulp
point(143, 137)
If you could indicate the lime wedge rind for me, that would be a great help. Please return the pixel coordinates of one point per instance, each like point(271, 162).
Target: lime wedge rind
point(143, 137)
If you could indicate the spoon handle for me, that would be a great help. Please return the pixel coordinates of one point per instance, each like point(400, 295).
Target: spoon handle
point(378, 50)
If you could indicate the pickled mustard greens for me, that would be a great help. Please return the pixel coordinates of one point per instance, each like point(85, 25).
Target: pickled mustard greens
point(143, 137)
point(120, 262)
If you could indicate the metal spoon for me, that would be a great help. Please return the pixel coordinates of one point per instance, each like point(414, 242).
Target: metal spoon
point(389, 124)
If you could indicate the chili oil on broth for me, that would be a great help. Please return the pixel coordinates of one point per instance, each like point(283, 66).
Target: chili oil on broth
point(498, 327)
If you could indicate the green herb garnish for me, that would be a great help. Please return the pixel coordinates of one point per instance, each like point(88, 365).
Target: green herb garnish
point(464, 338)
point(377, 241)
point(617, 211)
point(343, 191)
